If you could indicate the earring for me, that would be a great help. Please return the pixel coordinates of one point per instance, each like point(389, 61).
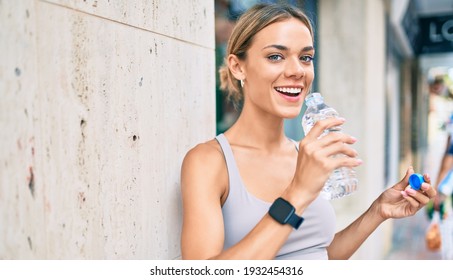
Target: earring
point(242, 83)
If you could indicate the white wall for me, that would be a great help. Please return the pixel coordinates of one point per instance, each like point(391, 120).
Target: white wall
point(352, 78)
point(100, 102)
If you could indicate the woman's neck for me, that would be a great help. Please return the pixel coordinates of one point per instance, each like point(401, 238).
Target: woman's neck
point(258, 129)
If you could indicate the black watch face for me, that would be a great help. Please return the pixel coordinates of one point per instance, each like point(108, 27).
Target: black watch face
point(281, 210)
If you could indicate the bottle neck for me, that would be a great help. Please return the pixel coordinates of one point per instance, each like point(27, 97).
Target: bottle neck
point(314, 99)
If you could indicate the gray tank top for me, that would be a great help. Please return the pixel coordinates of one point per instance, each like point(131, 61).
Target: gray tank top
point(242, 211)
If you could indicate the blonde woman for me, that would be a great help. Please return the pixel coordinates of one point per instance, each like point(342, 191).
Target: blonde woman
point(252, 193)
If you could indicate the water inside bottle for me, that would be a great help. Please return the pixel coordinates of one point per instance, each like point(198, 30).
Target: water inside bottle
point(342, 181)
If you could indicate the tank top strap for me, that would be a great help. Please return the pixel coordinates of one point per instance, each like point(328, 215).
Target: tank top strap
point(295, 144)
point(233, 172)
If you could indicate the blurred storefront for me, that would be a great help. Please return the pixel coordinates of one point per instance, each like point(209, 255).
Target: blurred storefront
point(421, 50)
point(420, 34)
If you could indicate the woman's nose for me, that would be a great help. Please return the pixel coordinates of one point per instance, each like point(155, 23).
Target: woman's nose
point(294, 68)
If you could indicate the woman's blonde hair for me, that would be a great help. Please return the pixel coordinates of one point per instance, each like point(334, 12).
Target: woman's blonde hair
point(249, 24)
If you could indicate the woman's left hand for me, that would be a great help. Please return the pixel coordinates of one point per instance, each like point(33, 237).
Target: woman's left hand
point(401, 200)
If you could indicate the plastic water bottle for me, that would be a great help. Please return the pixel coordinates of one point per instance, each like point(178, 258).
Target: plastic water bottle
point(343, 181)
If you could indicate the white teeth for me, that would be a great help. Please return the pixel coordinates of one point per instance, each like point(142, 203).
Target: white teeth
point(289, 90)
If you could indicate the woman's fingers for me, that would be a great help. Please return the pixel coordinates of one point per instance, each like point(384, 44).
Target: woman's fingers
point(344, 161)
point(428, 190)
point(336, 137)
point(401, 185)
point(427, 178)
point(322, 125)
point(420, 197)
point(333, 149)
point(412, 201)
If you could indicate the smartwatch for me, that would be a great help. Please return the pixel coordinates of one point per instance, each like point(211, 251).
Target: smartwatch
point(283, 212)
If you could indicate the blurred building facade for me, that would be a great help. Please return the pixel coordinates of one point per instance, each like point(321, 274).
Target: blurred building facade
point(372, 67)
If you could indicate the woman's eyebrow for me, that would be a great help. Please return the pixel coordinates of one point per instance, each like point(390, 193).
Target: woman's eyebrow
point(284, 48)
point(308, 48)
point(278, 47)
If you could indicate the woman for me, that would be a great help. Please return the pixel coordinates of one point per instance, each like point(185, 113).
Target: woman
point(252, 193)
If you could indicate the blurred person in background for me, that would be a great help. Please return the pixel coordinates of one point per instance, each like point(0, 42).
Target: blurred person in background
point(442, 203)
point(440, 109)
point(440, 134)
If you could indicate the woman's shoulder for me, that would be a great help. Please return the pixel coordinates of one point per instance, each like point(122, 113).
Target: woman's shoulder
point(207, 156)
point(204, 165)
point(209, 150)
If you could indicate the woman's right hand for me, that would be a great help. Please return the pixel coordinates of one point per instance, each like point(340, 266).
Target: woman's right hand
point(316, 159)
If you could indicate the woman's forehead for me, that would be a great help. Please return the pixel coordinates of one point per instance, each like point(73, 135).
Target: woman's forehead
point(288, 32)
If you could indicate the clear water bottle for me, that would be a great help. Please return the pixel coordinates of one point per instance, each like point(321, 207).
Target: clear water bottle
point(343, 181)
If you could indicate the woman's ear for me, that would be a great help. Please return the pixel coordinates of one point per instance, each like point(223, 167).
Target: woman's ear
point(236, 67)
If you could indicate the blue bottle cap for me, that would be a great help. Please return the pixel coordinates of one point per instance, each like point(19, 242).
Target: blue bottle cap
point(416, 180)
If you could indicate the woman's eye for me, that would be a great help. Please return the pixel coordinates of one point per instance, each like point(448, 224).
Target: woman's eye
point(275, 57)
point(306, 58)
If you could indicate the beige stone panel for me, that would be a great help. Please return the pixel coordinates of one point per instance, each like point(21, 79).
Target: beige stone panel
point(341, 81)
point(352, 75)
point(119, 107)
point(191, 21)
point(22, 232)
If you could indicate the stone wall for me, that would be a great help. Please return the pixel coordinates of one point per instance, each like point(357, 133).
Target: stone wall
point(100, 100)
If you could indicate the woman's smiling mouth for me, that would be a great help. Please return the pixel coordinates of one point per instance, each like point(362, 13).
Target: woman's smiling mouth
point(289, 91)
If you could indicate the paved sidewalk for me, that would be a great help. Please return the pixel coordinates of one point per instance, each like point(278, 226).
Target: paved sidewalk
point(409, 239)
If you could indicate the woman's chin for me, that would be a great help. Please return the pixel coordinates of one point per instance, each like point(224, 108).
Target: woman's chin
point(291, 113)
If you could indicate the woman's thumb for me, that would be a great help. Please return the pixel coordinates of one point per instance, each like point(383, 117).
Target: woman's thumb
point(401, 185)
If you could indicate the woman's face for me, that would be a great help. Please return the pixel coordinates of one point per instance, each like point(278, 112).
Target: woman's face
point(279, 68)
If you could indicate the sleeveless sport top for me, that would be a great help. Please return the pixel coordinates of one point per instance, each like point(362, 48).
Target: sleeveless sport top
point(242, 211)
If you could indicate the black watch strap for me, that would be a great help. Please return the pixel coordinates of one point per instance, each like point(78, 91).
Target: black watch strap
point(295, 221)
